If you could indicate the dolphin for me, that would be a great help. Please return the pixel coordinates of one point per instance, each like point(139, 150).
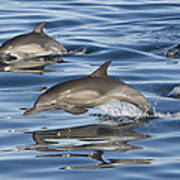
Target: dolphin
point(33, 44)
point(76, 96)
point(173, 52)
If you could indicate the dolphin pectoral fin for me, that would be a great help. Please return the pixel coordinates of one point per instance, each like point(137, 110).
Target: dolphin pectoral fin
point(75, 110)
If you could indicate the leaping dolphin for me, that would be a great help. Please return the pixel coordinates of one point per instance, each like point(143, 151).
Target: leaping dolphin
point(75, 96)
point(33, 44)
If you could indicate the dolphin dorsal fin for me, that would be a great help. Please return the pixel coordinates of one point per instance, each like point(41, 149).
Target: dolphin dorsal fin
point(39, 28)
point(102, 70)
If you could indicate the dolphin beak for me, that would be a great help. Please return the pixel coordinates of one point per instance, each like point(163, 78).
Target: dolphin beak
point(30, 111)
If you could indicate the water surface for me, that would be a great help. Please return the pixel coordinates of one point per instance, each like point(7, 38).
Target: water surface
point(58, 145)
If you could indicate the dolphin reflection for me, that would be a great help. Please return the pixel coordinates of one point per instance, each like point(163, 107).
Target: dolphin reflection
point(34, 65)
point(90, 142)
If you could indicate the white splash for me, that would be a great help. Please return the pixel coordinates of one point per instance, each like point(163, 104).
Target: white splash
point(167, 115)
point(120, 109)
point(79, 51)
point(175, 92)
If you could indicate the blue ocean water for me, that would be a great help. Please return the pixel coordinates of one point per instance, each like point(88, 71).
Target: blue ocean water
point(117, 142)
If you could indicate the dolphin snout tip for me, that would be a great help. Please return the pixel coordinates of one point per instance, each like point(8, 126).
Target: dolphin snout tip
point(29, 112)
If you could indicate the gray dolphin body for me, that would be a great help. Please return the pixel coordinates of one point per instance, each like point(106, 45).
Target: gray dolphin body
point(75, 96)
point(33, 44)
point(173, 52)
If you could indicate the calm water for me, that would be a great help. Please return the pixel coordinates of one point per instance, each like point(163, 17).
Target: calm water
point(121, 145)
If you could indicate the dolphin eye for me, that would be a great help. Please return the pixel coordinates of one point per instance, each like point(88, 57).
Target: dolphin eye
point(53, 103)
point(43, 46)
